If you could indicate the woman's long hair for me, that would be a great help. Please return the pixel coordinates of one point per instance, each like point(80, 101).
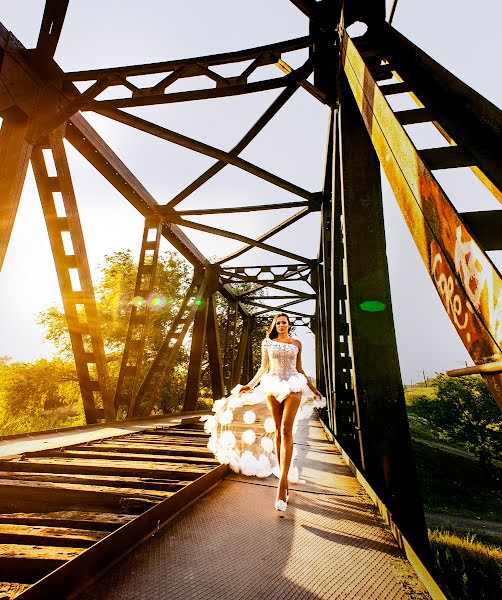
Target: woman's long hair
point(272, 330)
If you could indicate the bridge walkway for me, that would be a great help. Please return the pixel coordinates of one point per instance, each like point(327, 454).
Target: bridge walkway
point(232, 543)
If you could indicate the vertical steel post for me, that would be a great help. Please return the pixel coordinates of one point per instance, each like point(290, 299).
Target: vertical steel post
point(346, 418)
point(74, 276)
point(247, 372)
point(241, 351)
point(132, 357)
point(197, 349)
point(14, 157)
point(385, 438)
point(214, 350)
point(230, 335)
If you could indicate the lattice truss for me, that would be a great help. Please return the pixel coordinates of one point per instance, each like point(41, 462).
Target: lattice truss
point(41, 106)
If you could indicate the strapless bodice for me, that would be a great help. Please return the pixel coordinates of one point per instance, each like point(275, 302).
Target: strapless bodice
point(282, 358)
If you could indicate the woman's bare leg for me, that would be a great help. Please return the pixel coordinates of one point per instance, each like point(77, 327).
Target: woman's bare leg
point(276, 409)
point(290, 408)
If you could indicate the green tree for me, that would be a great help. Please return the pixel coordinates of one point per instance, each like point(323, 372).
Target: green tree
point(114, 294)
point(464, 411)
point(38, 395)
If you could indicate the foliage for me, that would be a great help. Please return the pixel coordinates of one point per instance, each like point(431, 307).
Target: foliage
point(464, 411)
point(466, 568)
point(34, 395)
point(45, 394)
point(411, 393)
point(114, 295)
point(457, 485)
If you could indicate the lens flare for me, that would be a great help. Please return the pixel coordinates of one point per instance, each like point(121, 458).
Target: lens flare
point(157, 302)
point(138, 301)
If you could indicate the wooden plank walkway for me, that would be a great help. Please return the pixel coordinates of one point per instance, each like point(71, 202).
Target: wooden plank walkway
point(232, 544)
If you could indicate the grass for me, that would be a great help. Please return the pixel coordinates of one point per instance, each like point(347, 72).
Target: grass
point(456, 485)
point(411, 392)
point(60, 418)
point(466, 568)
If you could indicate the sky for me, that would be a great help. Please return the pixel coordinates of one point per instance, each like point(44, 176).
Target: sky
point(105, 34)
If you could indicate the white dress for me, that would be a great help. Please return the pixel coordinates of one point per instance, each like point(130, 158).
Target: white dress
point(242, 438)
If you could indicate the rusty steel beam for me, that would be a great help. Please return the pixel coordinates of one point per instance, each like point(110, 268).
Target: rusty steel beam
point(143, 402)
point(207, 61)
point(242, 238)
point(471, 120)
point(240, 209)
point(229, 348)
point(77, 292)
point(190, 96)
point(197, 349)
point(92, 147)
point(15, 153)
point(382, 422)
point(202, 148)
point(52, 25)
point(268, 234)
point(242, 347)
point(467, 282)
point(134, 348)
point(214, 350)
point(269, 113)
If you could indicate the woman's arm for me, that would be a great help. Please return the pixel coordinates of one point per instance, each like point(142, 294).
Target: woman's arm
point(299, 368)
point(265, 364)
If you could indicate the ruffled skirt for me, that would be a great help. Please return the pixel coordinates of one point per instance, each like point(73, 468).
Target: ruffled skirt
point(243, 437)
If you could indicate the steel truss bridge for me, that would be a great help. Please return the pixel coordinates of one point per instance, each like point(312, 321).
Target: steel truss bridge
point(356, 356)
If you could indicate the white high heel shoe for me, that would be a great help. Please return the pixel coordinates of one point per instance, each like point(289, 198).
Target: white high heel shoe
point(281, 505)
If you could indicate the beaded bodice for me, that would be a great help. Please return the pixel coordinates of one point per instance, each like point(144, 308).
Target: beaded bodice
point(282, 358)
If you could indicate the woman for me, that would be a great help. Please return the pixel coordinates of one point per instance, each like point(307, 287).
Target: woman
point(285, 387)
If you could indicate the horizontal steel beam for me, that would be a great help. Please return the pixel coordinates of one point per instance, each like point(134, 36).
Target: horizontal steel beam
point(239, 209)
point(208, 60)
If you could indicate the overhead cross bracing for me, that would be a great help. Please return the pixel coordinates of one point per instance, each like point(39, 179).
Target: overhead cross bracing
point(167, 216)
point(330, 286)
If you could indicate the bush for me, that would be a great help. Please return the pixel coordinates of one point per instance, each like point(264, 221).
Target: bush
point(464, 411)
point(464, 567)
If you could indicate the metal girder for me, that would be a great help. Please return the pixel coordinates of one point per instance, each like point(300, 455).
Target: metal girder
point(52, 25)
point(75, 280)
point(239, 209)
point(269, 113)
point(275, 286)
point(486, 227)
point(224, 91)
point(242, 348)
point(133, 354)
point(202, 148)
point(379, 402)
point(268, 234)
point(237, 277)
point(207, 61)
point(15, 153)
point(468, 283)
point(474, 123)
point(92, 147)
point(214, 350)
point(143, 402)
point(242, 238)
point(197, 349)
point(230, 344)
